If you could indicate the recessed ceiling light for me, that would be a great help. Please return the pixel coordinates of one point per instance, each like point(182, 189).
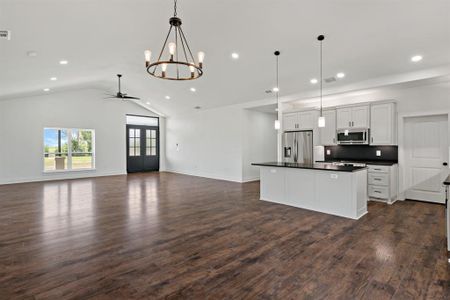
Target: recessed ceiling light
point(148, 103)
point(46, 90)
point(32, 53)
point(63, 62)
point(340, 75)
point(167, 97)
point(235, 55)
point(416, 58)
point(193, 89)
point(276, 89)
point(53, 78)
point(276, 109)
point(314, 81)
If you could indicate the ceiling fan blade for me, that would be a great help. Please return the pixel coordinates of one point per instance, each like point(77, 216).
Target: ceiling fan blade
point(129, 97)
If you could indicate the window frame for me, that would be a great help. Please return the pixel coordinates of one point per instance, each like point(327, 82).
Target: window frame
point(69, 150)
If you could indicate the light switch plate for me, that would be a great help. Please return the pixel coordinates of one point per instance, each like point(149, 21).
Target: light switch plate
point(378, 153)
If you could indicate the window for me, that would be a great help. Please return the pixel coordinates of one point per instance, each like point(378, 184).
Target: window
point(68, 149)
point(150, 135)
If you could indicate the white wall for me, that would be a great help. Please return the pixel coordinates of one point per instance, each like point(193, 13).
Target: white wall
point(21, 132)
point(259, 142)
point(220, 143)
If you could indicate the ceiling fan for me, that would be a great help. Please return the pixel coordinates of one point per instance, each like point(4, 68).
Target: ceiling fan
point(121, 95)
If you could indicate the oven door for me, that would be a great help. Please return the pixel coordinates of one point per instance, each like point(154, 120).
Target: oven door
point(349, 137)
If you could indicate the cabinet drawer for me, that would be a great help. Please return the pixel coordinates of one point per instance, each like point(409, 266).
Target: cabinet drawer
point(378, 169)
point(378, 192)
point(378, 178)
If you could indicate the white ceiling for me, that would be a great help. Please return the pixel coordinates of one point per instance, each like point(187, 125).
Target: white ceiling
point(364, 39)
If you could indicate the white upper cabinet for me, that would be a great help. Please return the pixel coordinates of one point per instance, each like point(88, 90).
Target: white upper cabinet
point(290, 121)
point(383, 124)
point(328, 133)
point(305, 120)
point(360, 117)
point(344, 118)
point(353, 117)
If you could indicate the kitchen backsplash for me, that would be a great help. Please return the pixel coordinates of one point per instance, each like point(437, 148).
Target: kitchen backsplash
point(361, 152)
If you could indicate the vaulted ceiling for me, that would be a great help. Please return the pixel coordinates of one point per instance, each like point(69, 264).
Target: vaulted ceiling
point(100, 38)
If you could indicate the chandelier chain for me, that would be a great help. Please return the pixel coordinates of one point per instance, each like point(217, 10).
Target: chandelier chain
point(175, 8)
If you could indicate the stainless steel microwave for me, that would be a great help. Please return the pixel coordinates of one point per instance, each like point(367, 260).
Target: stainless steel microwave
point(353, 136)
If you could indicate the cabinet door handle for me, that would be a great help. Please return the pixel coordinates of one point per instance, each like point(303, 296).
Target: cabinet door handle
point(349, 124)
point(378, 179)
point(353, 124)
point(334, 140)
point(371, 139)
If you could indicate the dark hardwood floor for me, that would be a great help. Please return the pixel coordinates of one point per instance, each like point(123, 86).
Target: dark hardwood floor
point(163, 235)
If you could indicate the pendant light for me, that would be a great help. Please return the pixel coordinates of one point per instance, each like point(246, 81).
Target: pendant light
point(276, 89)
point(321, 120)
point(175, 61)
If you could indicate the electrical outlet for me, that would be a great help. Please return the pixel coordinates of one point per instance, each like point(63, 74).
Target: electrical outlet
point(328, 152)
point(378, 153)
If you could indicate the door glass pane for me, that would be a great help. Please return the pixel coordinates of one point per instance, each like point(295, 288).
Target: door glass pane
point(131, 151)
point(137, 142)
point(131, 132)
point(153, 135)
point(147, 133)
point(137, 133)
point(153, 151)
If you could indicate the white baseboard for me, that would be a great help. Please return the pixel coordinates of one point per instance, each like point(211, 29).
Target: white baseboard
point(61, 176)
point(206, 175)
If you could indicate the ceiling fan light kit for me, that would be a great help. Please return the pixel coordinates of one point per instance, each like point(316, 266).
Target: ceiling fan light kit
point(180, 63)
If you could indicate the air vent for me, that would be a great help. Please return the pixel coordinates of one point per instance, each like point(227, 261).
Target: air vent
point(330, 79)
point(5, 35)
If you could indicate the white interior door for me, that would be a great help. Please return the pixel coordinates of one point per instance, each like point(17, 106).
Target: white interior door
point(426, 152)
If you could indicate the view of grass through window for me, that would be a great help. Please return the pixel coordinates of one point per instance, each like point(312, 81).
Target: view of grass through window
point(68, 149)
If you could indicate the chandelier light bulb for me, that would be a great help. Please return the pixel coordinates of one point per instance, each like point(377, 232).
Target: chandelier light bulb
point(192, 69)
point(172, 48)
point(148, 55)
point(201, 58)
point(163, 69)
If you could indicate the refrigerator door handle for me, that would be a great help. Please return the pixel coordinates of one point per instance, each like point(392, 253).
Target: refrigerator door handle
point(295, 148)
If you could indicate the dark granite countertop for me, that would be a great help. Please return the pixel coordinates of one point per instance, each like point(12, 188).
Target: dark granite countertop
point(368, 162)
point(447, 180)
point(315, 166)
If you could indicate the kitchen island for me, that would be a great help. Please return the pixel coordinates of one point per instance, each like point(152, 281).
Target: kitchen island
point(323, 187)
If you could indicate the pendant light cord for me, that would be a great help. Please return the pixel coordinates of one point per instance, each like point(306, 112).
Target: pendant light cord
point(321, 79)
point(278, 88)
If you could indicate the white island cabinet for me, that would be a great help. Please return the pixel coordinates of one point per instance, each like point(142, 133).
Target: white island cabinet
point(340, 191)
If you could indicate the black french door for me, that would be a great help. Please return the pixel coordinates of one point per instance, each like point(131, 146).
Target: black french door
point(142, 148)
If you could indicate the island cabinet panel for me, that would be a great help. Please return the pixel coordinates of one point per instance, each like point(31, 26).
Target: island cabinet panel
point(300, 197)
point(337, 193)
point(333, 192)
point(274, 189)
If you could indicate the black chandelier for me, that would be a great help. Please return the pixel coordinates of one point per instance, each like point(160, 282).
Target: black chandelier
point(179, 64)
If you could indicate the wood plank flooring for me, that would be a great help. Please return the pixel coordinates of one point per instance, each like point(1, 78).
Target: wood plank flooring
point(163, 235)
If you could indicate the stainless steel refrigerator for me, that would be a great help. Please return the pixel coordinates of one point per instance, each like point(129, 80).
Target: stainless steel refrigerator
point(298, 147)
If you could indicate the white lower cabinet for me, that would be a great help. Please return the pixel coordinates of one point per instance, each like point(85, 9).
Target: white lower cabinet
point(382, 182)
point(339, 193)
